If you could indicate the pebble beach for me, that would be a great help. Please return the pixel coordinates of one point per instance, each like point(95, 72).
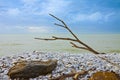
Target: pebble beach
point(67, 63)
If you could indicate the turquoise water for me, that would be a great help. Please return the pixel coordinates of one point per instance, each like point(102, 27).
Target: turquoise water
point(19, 43)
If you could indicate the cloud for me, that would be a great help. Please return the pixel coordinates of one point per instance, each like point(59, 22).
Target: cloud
point(55, 6)
point(13, 11)
point(95, 16)
point(91, 17)
point(30, 6)
point(28, 29)
point(108, 16)
point(29, 2)
point(41, 29)
point(38, 7)
point(10, 11)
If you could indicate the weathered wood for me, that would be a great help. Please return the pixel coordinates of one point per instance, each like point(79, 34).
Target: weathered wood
point(64, 25)
point(74, 75)
point(104, 75)
point(31, 69)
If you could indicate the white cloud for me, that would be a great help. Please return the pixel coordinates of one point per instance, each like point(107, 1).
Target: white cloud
point(41, 29)
point(54, 6)
point(10, 11)
point(92, 17)
point(95, 16)
point(108, 16)
point(30, 29)
point(29, 2)
point(39, 7)
point(13, 11)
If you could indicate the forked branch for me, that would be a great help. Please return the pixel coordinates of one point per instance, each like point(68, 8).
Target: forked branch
point(74, 45)
point(76, 39)
point(64, 25)
point(75, 75)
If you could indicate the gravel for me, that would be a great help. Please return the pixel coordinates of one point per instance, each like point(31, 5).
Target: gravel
point(67, 62)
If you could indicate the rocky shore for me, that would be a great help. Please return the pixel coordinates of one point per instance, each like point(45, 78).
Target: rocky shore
point(67, 62)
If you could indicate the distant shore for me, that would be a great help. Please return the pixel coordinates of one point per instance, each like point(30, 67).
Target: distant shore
point(66, 63)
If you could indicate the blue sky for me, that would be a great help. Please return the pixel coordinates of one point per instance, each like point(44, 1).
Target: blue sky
point(83, 16)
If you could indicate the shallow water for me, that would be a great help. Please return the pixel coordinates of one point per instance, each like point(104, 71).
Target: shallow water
point(19, 43)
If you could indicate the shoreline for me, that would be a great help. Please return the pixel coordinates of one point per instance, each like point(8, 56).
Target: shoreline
point(67, 62)
point(12, 44)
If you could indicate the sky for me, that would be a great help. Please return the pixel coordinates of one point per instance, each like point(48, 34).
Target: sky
point(82, 16)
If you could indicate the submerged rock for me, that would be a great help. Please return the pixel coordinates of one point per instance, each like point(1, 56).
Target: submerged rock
point(104, 75)
point(31, 69)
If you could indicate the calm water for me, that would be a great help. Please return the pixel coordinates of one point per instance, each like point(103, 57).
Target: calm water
point(14, 44)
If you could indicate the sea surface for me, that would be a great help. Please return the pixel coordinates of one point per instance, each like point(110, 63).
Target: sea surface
point(11, 44)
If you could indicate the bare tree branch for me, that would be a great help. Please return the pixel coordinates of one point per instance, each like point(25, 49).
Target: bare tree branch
point(85, 46)
point(59, 20)
point(78, 40)
point(112, 63)
point(64, 38)
point(74, 45)
point(55, 17)
point(74, 75)
point(56, 38)
point(45, 39)
point(60, 25)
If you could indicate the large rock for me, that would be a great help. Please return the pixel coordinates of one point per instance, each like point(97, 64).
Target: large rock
point(31, 69)
point(104, 75)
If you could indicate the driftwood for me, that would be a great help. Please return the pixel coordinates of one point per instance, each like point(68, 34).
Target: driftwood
point(77, 40)
point(104, 75)
point(23, 70)
point(74, 75)
point(85, 46)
